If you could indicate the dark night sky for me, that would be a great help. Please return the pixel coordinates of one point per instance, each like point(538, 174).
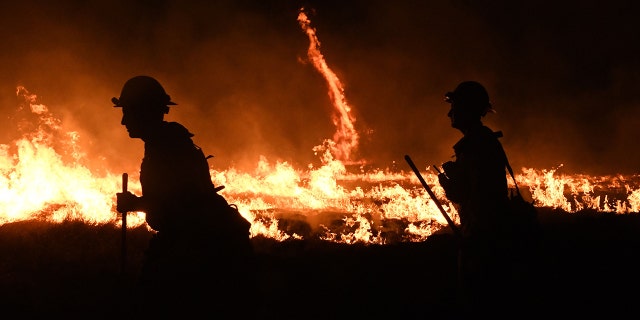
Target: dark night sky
point(563, 75)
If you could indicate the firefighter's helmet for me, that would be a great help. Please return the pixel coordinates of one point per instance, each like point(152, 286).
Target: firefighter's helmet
point(470, 95)
point(143, 92)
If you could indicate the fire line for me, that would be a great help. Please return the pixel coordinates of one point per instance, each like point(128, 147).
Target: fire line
point(329, 202)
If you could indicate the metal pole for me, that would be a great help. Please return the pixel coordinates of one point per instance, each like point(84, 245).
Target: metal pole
point(125, 180)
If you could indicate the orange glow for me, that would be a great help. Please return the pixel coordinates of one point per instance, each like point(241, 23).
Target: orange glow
point(42, 177)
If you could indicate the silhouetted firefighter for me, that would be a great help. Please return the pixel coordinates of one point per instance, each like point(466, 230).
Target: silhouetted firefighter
point(490, 263)
point(201, 258)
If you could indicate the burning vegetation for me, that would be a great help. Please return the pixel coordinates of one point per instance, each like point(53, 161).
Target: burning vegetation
point(45, 177)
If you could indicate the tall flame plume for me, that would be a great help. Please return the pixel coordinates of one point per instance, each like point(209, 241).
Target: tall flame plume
point(345, 139)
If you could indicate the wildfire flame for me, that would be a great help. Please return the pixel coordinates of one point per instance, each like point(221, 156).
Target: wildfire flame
point(42, 176)
point(345, 139)
point(334, 202)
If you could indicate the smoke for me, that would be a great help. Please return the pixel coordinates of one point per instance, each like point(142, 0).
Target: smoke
point(563, 77)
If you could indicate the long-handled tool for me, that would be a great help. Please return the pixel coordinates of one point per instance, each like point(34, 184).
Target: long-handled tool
point(453, 226)
point(125, 181)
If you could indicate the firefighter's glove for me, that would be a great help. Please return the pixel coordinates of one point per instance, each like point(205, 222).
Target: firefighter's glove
point(449, 180)
point(126, 202)
point(450, 168)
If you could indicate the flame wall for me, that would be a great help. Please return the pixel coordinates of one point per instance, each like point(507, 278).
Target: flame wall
point(564, 86)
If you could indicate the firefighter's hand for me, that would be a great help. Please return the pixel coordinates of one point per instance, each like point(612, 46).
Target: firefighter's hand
point(448, 186)
point(443, 179)
point(449, 167)
point(126, 202)
point(445, 183)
